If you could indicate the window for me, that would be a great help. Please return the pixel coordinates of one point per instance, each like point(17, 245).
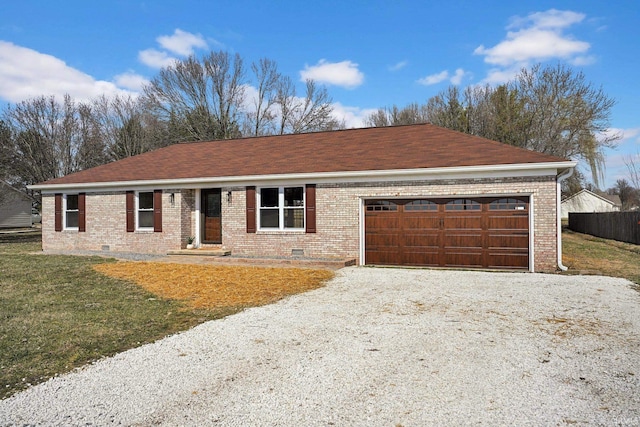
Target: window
point(381, 205)
point(421, 205)
point(281, 208)
point(71, 212)
point(463, 205)
point(145, 210)
point(507, 204)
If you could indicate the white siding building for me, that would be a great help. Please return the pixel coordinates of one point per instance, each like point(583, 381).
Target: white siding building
point(15, 207)
point(587, 201)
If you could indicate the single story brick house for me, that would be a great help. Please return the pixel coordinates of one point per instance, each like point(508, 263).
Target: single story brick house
point(416, 195)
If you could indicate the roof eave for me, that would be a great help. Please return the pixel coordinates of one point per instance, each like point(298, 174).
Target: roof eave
point(484, 171)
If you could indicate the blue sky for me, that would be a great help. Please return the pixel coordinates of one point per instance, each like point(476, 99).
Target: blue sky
point(369, 54)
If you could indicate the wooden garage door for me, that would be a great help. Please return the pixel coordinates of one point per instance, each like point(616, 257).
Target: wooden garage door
point(464, 232)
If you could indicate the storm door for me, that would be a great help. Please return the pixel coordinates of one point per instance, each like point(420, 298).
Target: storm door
point(212, 216)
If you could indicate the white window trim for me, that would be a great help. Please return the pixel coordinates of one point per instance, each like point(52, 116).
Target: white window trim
point(281, 208)
point(137, 210)
point(64, 212)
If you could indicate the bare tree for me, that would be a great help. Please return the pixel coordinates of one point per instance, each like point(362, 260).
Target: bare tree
point(91, 146)
point(286, 101)
point(48, 139)
point(447, 110)
point(633, 166)
point(552, 110)
point(309, 114)
point(629, 196)
point(6, 151)
point(394, 116)
point(565, 114)
point(200, 100)
point(262, 115)
point(227, 78)
point(126, 128)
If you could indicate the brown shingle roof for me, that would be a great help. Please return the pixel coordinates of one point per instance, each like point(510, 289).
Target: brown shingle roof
point(367, 149)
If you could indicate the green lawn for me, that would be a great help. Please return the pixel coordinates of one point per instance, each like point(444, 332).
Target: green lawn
point(593, 255)
point(57, 313)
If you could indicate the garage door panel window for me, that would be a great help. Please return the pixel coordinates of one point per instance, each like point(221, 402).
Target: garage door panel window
point(507, 204)
point(463, 205)
point(421, 205)
point(382, 205)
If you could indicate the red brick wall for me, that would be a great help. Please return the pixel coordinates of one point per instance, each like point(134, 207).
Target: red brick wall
point(337, 213)
point(106, 226)
point(338, 217)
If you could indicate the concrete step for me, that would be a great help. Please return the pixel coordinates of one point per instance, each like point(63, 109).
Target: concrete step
point(200, 252)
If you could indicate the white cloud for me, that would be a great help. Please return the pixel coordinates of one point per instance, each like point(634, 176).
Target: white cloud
point(498, 76)
point(155, 58)
point(344, 74)
point(626, 135)
point(538, 37)
point(581, 61)
point(26, 73)
point(552, 18)
point(353, 117)
point(454, 79)
point(182, 42)
point(434, 78)
point(532, 44)
point(400, 65)
point(131, 80)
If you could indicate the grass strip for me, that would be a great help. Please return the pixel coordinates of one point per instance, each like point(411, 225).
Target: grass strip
point(585, 253)
point(57, 313)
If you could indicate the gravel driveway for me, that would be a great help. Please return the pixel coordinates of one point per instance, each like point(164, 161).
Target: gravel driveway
point(378, 347)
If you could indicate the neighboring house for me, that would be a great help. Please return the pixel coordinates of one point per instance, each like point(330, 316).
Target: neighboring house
point(588, 201)
point(407, 195)
point(15, 207)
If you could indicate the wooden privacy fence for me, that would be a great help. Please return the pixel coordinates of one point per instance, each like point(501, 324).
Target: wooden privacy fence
point(621, 226)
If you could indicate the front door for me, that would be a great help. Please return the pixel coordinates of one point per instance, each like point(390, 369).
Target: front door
point(212, 216)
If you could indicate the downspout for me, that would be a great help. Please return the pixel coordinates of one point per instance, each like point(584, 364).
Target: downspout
point(561, 178)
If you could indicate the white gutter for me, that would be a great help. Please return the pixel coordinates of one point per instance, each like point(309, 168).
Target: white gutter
point(323, 177)
point(561, 178)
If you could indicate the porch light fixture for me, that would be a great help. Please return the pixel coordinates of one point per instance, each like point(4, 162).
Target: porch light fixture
point(172, 199)
point(229, 197)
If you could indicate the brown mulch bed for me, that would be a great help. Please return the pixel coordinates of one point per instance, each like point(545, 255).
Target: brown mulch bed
point(205, 286)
